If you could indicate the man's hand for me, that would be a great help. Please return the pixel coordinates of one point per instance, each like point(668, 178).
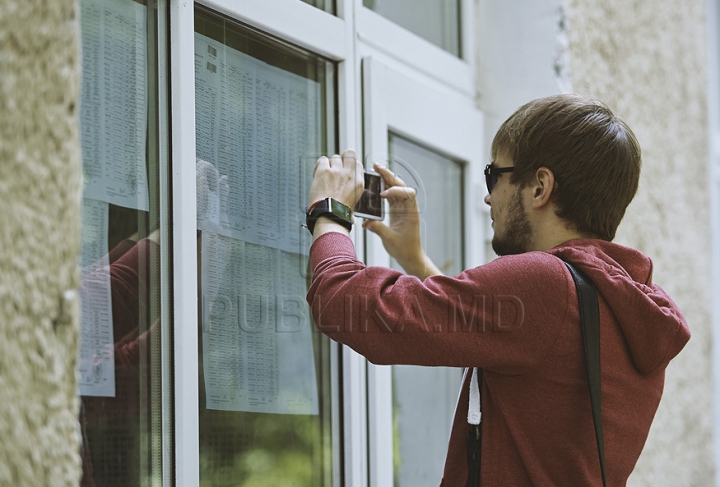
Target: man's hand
point(340, 178)
point(402, 238)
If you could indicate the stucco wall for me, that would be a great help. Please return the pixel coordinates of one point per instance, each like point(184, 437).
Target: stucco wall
point(39, 243)
point(647, 61)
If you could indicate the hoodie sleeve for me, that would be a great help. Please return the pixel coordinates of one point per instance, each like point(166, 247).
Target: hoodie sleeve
point(491, 316)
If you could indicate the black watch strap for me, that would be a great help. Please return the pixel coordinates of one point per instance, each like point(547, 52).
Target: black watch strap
point(329, 208)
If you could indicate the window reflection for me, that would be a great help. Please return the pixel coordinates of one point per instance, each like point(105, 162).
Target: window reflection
point(119, 356)
point(264, 113)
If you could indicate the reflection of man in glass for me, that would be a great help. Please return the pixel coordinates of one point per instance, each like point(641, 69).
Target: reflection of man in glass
point(563, 171)
point(111, 426)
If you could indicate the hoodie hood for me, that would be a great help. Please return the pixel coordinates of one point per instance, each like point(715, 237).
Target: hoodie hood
point(654, 327)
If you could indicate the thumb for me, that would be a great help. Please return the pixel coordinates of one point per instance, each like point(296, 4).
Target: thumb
point(376, 227)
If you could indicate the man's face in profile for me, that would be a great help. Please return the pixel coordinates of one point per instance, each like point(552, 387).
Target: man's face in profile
point(512, 229)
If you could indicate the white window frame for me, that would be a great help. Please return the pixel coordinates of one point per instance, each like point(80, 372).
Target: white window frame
point(448, 123)
point(447, 82)
point(319, 32)
point(293, 21)
point(406, 47)
point(185, 340)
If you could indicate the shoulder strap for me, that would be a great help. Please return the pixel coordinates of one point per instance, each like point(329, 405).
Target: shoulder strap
point(590, 324)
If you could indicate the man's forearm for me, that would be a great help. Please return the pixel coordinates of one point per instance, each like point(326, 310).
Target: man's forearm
point(421, 267)
point(325, 225)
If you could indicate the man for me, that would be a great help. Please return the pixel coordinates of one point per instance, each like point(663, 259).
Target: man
point(564, 170)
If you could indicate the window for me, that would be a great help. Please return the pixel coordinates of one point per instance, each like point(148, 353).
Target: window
point(438, 21)
point(201, 124)
point(423, 398)
point(124, 387)
point(435, 38)
point(264, 113)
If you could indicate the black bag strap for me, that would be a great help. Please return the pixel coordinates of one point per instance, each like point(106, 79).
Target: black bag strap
point(590, 325)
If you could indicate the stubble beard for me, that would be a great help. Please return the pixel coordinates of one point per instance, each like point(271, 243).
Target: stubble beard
point(518, 231)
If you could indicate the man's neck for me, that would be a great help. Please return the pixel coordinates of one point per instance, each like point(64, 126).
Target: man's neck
point(553, 236)
point(548, 230)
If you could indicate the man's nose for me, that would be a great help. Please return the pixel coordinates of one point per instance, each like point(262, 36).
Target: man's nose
point(487, 199)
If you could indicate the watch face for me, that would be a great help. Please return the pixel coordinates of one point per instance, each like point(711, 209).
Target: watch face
point(340, 210)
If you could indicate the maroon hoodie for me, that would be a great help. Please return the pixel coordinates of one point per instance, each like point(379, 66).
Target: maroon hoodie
point(517, 319)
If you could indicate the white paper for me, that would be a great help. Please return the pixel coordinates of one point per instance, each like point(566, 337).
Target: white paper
point(259, 126)
point(113, 111)
point(257, 338)
point(96, 361)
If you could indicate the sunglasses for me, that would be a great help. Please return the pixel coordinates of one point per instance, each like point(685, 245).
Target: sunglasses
point(491, 175)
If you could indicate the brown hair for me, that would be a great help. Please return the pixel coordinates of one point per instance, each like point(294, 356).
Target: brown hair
point(594, 156)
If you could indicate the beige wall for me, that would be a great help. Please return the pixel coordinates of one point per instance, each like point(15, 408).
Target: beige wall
point(39, 243)
point(647, 61)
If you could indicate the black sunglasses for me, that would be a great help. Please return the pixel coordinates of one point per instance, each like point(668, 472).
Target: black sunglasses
point(491, 175)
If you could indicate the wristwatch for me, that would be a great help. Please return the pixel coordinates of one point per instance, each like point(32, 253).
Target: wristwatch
point(329, 208)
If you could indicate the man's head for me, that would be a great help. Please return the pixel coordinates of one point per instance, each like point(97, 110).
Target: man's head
point(593, 156)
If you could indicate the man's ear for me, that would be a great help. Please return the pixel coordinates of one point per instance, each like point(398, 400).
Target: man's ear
point(542, 186)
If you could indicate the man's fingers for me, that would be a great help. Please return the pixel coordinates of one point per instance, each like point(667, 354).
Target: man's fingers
point(336, 161)
point(399, 194)
point(387, 175)
point(351, 162)
point(391, 179)
point(322, 161)
point(376, 227)
point(349, 156)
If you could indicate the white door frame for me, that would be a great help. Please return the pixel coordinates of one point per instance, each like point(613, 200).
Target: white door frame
point(443, 121)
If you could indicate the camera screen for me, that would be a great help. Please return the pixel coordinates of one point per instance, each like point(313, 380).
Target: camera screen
point(370, 202)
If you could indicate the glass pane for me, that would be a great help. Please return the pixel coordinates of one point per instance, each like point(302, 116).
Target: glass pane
point(326, 5)
point(264, 112)
point(437, 21)
point(424, 397)
point(119, 358)
point(438, 181)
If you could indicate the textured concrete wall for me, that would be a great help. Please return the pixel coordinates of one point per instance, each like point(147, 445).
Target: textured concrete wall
point(647, 61)
point(39, 243)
